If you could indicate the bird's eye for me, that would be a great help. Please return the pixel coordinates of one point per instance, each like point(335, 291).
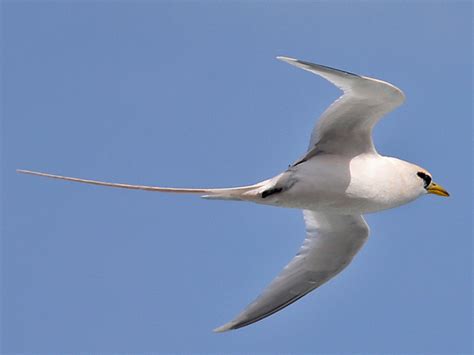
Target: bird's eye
point(426, 178)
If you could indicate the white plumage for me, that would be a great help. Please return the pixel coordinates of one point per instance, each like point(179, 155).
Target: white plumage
point(340, 178)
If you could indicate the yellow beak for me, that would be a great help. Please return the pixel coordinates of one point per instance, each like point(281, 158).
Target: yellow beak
point(437, 190)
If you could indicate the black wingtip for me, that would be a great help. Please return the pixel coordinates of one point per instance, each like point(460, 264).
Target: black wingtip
point(295, 62)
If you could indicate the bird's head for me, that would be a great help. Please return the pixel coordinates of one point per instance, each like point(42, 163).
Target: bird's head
point(429, 186)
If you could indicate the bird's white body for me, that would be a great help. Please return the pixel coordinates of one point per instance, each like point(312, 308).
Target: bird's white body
point(344, 185)
point(340, 178)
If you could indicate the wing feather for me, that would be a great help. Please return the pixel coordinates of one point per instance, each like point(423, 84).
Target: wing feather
point(330, 244)
point(346, 126)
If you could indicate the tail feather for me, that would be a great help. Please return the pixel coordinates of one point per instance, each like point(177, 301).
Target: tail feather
point(233, 193)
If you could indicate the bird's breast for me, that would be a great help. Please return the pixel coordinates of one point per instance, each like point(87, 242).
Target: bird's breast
point(363, 184)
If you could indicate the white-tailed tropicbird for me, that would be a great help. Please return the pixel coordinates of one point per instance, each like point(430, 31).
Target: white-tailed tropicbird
point(340, 178)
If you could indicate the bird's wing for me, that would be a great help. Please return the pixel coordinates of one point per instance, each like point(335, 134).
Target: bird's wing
point(330, 244)
point(346, 126)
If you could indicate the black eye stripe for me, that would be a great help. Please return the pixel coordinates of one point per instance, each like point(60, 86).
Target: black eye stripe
point(426, 178)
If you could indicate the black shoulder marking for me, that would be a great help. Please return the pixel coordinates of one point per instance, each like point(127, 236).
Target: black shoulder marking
point(272, 191)
point(298, 162)
point(309, 154)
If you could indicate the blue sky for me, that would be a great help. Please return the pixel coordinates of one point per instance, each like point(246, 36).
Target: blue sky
point(189, 94)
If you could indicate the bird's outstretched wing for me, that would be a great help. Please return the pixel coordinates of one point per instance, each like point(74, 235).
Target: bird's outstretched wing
point(330, 244)
point(346, 126)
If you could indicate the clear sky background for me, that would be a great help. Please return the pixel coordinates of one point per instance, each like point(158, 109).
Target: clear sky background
point(189, 94)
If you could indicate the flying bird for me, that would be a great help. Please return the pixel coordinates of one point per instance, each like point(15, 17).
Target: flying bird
point(339, 178)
